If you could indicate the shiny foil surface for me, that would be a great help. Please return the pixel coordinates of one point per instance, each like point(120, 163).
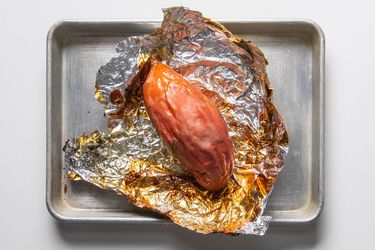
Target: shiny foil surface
point(133, 160)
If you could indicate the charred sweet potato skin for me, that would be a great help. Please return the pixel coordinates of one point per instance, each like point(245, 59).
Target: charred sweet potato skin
point(190, 125)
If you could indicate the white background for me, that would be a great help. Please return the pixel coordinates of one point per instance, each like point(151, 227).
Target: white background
point(347, 221)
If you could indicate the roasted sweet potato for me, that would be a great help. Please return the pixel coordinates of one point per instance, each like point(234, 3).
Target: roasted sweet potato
point(191, 126)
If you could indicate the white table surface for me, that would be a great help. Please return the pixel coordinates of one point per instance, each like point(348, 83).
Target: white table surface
point(349, 213)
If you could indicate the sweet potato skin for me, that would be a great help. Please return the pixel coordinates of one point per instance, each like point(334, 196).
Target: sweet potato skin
point(190, 125)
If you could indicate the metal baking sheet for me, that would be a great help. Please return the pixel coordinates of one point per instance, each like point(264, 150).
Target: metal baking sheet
point(75, 51)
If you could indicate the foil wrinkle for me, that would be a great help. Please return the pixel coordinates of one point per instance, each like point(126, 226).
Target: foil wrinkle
point(132, 160)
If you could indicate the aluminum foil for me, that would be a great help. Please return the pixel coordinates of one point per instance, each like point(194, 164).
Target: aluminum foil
point(132, 159)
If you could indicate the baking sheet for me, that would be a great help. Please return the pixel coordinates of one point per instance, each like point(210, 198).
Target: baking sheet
point(75, 51)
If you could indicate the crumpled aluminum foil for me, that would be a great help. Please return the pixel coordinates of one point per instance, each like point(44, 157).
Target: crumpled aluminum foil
point(132, 159)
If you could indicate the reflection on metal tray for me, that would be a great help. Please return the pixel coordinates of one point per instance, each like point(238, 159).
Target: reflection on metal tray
point(295, 51)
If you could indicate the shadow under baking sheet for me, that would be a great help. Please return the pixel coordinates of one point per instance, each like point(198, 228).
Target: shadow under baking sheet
point(171, 236)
